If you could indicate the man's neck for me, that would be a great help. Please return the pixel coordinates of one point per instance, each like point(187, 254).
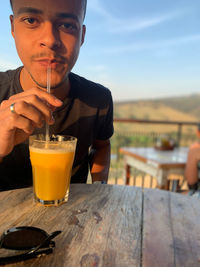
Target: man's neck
point(61, 92)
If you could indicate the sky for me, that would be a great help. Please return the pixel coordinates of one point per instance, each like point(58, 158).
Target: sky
point(139, 49)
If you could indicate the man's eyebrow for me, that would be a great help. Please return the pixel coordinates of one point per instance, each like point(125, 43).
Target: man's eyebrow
point(38, 11)
point(23, 10)
point(67, 16)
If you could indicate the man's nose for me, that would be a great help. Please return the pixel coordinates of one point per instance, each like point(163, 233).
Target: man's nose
point(50, 36)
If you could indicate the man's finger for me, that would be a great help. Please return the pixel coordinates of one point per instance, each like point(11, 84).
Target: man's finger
point(31, 113)
point(51, 99)
point(15, 121)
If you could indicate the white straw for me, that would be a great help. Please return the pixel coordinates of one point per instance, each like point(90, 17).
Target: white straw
point(48, 91)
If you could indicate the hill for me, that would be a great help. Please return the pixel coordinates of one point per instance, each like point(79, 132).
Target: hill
point(187, 104)
point(183, 108)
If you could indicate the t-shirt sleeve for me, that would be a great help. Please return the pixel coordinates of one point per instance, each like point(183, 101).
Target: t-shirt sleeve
point(106, 129)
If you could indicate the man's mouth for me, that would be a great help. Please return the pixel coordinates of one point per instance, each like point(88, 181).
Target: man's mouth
point(49, 62)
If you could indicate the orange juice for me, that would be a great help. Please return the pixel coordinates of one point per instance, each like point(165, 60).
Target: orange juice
point(51, 172)
point(51, 166)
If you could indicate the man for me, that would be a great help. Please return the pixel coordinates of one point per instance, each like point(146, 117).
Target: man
point(50, 33)
point(192, 170)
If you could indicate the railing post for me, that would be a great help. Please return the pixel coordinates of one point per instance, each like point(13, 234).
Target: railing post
point(179, 134)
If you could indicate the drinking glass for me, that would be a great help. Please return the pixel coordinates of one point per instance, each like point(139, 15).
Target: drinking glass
point(51, 162)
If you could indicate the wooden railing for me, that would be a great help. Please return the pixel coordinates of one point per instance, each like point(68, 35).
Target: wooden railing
point(179, 124)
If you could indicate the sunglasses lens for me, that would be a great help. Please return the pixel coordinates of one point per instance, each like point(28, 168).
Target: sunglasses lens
point(23, 238)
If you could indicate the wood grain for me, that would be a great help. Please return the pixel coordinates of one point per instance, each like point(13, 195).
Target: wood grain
point(171, 229)
point(105, 225)
point(100, 224)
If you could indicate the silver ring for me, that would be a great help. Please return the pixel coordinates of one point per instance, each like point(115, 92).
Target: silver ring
point(12, 108)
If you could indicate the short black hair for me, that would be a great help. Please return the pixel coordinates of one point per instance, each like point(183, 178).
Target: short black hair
point(11, 4)
point(84, 5)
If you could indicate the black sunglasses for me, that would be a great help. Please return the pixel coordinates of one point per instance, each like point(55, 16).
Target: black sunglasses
point(35, 240)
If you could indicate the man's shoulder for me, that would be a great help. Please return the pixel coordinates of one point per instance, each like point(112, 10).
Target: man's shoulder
point(9, 83)
point(89, 89)
point(8, 77)
point(4, 77)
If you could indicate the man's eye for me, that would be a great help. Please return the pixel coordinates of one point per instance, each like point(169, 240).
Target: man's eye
point(68, 27)
point(30, 21)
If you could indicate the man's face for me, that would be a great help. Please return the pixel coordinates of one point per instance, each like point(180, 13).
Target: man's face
point(48, 33)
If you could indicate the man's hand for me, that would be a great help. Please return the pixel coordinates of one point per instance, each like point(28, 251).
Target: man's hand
point(32, 109)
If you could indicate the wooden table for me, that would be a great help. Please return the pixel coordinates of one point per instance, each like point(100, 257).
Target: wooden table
point(157, 163)
point(111, 225)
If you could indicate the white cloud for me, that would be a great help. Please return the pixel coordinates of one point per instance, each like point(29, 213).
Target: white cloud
point(98, 8)
point(133, 25)
point(117, 25)
point(5, 65)
point(153, 45)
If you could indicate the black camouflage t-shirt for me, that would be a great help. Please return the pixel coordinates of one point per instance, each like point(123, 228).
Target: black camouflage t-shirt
point(87, 113)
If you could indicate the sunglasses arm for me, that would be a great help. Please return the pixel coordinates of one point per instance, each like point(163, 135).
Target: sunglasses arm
point(25, 256)
point(33, 253)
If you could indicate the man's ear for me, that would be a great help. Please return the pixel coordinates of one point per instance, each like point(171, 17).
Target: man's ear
point(83, 34)
point(12, 24)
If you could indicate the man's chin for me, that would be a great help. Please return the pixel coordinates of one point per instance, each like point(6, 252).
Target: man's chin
point(52, 85)
point(40, 78)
